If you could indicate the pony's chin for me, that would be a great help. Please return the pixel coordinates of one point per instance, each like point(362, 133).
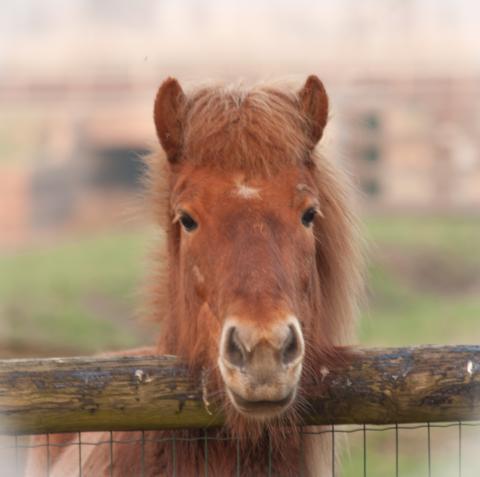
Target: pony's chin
point(261, 410)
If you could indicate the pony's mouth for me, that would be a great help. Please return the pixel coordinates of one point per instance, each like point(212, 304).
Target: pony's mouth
point(261, 409)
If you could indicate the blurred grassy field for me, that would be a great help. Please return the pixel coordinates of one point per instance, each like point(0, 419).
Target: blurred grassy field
point(424, 281)
point(82, 296)
point(423, 287)
point(73, 298)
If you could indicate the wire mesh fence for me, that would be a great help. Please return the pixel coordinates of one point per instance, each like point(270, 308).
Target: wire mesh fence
point(426, 449)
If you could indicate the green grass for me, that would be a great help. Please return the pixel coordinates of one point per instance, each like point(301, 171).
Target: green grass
point(400, 314)
point(430, 291)
point(459, 236)
point(78, 296)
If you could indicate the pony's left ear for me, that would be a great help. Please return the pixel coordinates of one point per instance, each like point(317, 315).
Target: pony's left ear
point(168, 116)
point(314, 105)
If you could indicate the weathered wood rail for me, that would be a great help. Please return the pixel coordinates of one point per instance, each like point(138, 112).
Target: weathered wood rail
point(379, 386)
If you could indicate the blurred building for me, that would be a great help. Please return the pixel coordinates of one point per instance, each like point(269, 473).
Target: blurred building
point(76, 94)
point(414, 145)
point(81, 167)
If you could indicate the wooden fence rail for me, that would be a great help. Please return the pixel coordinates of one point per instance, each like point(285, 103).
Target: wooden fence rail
point(380, 386)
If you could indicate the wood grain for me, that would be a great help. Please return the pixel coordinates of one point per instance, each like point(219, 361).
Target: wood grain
point(378, 386)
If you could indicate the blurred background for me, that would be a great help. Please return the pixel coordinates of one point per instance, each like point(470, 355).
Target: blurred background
point(77, 82)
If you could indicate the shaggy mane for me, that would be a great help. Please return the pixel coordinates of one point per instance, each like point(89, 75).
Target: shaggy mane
point(257, 131)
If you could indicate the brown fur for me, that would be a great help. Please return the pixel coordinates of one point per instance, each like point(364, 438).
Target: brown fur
point(255, 259)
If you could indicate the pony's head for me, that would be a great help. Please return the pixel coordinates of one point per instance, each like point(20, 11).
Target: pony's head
point(261, 262)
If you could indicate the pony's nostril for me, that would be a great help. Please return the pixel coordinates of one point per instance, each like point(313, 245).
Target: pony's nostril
point(291, 347)
point(234, 350)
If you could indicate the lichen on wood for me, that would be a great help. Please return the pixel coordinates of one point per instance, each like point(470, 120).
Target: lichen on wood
point(377, 386)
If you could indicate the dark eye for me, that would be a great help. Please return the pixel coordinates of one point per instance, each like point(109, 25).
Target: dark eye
point(309, 216)
point(187, 222)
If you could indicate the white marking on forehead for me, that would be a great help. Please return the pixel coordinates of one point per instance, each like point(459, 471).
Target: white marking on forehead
point(246, 192)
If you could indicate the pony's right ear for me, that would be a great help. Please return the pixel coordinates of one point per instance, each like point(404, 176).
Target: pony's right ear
point(314, 105)
point(168, 116)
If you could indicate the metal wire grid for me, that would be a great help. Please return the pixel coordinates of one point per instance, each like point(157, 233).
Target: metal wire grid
point(13, 449)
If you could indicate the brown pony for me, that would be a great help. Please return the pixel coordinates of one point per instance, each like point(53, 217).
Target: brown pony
point(261, 276)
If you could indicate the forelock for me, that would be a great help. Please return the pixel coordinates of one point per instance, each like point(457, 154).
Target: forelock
point(255, 129)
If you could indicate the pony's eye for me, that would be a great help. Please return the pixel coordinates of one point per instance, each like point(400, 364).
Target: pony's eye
point(187, 222)
point(309, 216)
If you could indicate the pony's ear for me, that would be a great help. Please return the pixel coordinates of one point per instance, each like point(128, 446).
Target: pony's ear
point(168, 116)
point(314, 105)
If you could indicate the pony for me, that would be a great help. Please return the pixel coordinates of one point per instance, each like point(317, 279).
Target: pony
point(258, 283)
